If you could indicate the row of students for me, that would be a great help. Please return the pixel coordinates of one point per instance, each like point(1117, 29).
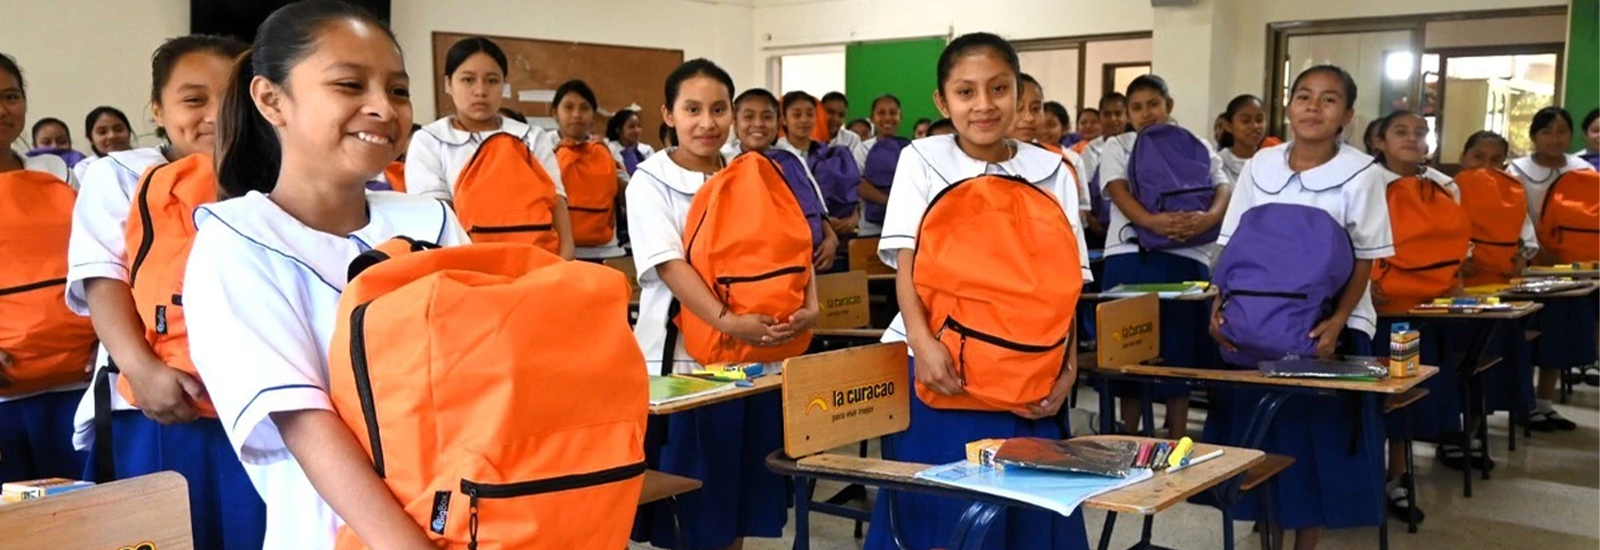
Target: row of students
point(108, 130)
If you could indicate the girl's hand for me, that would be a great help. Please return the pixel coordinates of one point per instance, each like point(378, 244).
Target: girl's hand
point(1326, 334)
point(935, 368)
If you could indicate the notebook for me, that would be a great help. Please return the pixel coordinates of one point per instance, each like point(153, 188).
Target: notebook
point(1060, 492)
point(669, 389)
point(1362, 368)
point(1095, 457)
point(1163, 290)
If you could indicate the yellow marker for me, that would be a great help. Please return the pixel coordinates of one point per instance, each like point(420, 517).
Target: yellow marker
point(1185, 446)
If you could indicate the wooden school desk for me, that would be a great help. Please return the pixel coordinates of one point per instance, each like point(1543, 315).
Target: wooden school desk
point(810, 430)
point(142, 513)
point(1545, 271)
point(1482, 329)
point(1578, 294)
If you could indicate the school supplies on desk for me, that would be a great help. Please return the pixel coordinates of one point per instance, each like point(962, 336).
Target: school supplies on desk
point(670, 389)
point(1187, 462)
point(1544, 285)
point(1339, 367)
point(39, 488)
point(1405, 350)
point(1469, 305)
point(1164, 290)
point(1096, 457)
point(1060, 492)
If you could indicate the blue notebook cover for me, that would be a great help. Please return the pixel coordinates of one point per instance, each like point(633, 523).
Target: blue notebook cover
point(1060, 492)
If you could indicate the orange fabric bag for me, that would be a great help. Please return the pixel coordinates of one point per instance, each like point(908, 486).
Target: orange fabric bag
point(749, 241)
point(1065, 160)
point(160, 232)
point(495, 420)
point(997, 267)
point(1497, 204)
point(1569, 223)
point(504, 196)
point(590, 177)
point(49, 345)
point(395, 174)
point(1431, 233)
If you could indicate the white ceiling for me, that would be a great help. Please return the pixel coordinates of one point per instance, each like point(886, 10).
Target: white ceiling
point(760, 3)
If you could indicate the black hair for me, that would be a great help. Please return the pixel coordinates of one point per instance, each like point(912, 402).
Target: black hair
point(513, 115)
point(1590, 118)
point(1547, 116)
point(1480, 135)
point(1113, 97)
point(575, 87)
point(1056, 109)
point(1386, 122)
point(668, 137)
point(1150, 82)
point(968, 44)
point(941, 124)
point(921, 121)
point(248, 151)
point(883, 98)
point(1345, 80)
point(165, 60)
point(614, 126)
point(464, 49)
point(1235, 105)
point(46, 121)
point(94, 116)
point(796, 97)
point(9, 65)
point(859, 121)
point(835, 96)
point(758, 93)
point(1087, 110)
point(691, 69)
point(1026, 78)
point(1370, 135)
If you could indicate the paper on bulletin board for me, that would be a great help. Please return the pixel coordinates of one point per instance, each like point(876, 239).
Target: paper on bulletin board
point(536, 96)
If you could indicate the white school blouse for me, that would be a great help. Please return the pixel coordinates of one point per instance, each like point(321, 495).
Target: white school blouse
point(852, 142)
point(1536, 179)
point(616, 147)
point(1232, 164)
point(1350, 188)
point(933, 163)
point(53, 165)
point(658, 207)
point(98, 248)
point(439, 152)
point(262, 298)
point(1114, 157)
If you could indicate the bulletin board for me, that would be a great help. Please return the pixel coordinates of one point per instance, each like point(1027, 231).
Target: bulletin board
point(620, 76)
point(906, 68)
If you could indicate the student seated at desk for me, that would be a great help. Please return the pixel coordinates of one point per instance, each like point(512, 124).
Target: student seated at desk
point(956, 375)
point(1569, 325)
point(722, 445)
point(1170, 239)
point(1299, 213)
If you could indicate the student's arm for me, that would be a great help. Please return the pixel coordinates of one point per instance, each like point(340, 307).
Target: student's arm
point(563, 223)
point(165, 394)
point(1219, 202)
point(823, 258)
point(692, 293)
point(340, 472)
point(425, 169)
point(846, 225)
point(871, 193)
point(1114, 172)
point(806, 317)
point(1327, 332)
point(935, 368)
point(1241, 199)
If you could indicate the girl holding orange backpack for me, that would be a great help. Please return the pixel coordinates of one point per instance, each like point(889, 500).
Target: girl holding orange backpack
point(503, 193)
point(724, 261)
point(317, 108)
point(150, 411)
point(1003, 368)
point(591, 176)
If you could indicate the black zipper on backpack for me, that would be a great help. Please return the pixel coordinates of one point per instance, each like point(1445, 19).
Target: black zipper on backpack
point(1430, 267)
point(363, 376)
point(969, 332)
point(587, 209)
point(32, 286)
point(1495, 243)
point(1269, 294)
point(475, 491)
point(1161, 200)
point(791, 270)
point(487, 229)
point(147, 240)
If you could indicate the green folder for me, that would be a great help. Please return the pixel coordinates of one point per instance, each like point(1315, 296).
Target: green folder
point(667, 389)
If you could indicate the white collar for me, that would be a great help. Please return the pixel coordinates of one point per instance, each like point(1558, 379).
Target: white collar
point(661, 167)
point(1427, 172)
point(137, 161)
point(445, 131)
point(1529, 170)
point(261, 221)
point(950, 163)
point(1271, 172)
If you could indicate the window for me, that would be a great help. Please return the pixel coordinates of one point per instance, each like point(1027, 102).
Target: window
point(814, 73)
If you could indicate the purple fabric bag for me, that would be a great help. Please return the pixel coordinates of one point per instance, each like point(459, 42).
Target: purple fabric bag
point(838, 177)
point(1169, 170)
point(1099, 205)
point(71, 157)
point(881, 163)
point(1281, 274)
point(794, 174)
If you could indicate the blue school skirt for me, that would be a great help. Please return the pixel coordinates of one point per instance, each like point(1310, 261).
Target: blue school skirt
point(36, 437)
point(940, 436)
point(725, 447)
point(225, 511)
point(1337, 477)
point(1509, 387)
point(1569, 327)
point(1185, 326)
point(1438, 414)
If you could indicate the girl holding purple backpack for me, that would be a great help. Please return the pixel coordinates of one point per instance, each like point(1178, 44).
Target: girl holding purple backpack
point(1306, 222)
point(1168, 193)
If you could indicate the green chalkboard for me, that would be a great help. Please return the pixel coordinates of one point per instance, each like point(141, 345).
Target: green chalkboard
point(906, 68)
point(1583, 63)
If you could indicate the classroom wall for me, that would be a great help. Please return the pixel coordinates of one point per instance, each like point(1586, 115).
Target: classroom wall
point(1500, 31)
point(840, 21)
point(700, 29)
point(79, 54)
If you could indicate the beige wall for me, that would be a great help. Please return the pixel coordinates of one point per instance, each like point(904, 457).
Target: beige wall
point(79, 54)
point(1546, 29)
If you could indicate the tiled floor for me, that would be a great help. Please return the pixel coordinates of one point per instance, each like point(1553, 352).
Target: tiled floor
point(1544, 496)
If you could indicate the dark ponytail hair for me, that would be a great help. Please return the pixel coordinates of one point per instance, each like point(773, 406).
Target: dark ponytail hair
point(1370, 136)
point(43, 122)
point(460, 51)
point(795, 98)
point(8, 65)
point(1383, 128)
point(166, 57)
point(1153, 83)
point(1234, 106)
point(94, 116)
point(1481, 135)
point(1056, 109)
point(1547, 116)
point(248, 151)
point(614, 126)
point(690, 69)
point(761, 94)
point(967, 44)
point(575, 87)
